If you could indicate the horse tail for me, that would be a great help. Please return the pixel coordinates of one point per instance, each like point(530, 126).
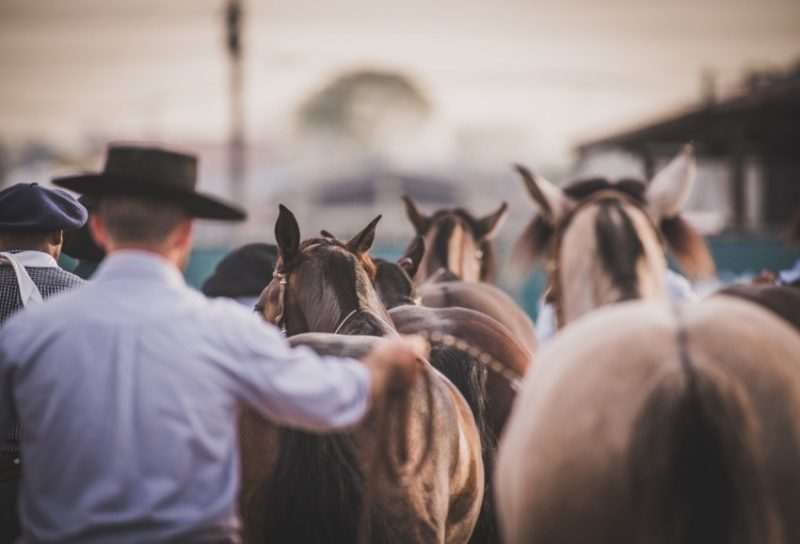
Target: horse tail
point(315, 493)
point(469, 377)
point(696, 465)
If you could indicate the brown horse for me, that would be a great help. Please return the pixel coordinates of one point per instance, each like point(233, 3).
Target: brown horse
point(603, 241)
point(645, 422)
point(489, 395)
point(459, 244)
point(784, 300)
point(300, 487)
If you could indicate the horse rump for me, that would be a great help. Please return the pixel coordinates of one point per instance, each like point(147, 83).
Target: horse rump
point(696, 468)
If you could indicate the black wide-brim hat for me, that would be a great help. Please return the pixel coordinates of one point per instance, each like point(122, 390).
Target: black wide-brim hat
point(244, 272)
point(79, 243)
point(153, 173)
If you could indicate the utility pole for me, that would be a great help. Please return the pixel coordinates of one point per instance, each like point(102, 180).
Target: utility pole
point(233, 23)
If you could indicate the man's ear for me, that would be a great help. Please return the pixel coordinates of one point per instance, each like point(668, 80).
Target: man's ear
point(57, 237)
point(98, 231)
point(362, 241)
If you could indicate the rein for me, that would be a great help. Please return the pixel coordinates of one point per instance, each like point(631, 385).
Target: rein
point(554, 292)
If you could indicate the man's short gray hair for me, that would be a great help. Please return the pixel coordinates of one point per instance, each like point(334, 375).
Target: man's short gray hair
point(131, 219)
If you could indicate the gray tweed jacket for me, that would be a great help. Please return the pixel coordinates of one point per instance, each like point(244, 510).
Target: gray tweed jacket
point(49, 281)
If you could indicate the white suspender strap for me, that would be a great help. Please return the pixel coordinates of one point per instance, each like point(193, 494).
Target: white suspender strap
point(28, 291)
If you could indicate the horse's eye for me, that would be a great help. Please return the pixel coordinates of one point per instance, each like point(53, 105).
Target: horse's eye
point(258, 309)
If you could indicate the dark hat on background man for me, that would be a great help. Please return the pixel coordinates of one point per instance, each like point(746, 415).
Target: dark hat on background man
point(154, 173)
point(244, 272)
point(79, 243)
point(31, 207)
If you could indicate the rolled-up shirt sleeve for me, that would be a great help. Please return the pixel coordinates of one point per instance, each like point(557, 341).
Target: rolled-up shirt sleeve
point(296, 386)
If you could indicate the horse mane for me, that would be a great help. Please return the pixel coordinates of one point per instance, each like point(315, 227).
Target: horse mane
point(619, 248)
point(687, 246)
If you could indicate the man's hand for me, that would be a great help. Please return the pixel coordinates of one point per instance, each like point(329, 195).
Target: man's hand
point(395, 363)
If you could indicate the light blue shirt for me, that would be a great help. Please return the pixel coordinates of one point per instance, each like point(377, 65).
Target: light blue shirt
point(128, 391)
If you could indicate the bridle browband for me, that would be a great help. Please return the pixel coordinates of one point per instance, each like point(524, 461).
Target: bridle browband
point(554, 290)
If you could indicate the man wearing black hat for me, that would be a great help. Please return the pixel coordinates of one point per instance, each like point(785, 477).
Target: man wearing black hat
point(243, 274)
point(128, 389)
point(32, 224)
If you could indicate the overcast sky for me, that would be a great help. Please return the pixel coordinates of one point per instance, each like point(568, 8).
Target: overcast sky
point(560, 71)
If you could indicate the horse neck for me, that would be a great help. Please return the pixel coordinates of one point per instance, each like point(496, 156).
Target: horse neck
point(452, 247)
point(609, 253)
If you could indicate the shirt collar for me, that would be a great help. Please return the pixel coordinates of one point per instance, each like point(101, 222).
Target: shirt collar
point(34, 258)
point(138, 264)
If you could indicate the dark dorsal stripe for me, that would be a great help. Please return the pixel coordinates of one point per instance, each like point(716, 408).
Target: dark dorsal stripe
point(441, 242)
point(619, 247)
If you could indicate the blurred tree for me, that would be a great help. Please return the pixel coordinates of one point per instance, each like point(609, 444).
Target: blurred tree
point(368, 108)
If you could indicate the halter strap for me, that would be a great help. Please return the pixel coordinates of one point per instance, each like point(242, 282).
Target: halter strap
point(280, 322)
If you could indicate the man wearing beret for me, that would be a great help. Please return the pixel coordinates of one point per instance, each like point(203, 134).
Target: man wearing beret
point(32, 224)
point(129, 388)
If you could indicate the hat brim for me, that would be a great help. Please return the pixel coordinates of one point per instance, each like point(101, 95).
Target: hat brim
point(196, 204)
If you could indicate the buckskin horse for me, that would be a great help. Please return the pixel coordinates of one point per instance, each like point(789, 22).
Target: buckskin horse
point(603, 241)
point(459, 244)
point(456, 265)
point(649, 422)
point(299, 487)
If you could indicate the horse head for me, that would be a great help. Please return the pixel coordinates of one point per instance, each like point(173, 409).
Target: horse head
point(323, 284)
point(457, 241)
point(394, 280)
point(606, 242)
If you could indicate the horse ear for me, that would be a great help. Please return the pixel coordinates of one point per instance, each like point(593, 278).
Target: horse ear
point(549, 197)
point(420, 221)
point(327, 234)
point(287, 234)
point(669, 189)
point(489, 226)
point(410, 261)
point(362, 241)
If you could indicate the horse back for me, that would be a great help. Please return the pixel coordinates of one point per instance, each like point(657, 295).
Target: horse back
point(484, 298)
point(581, 445)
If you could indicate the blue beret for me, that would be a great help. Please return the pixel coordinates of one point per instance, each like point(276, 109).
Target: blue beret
point(31, 207)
